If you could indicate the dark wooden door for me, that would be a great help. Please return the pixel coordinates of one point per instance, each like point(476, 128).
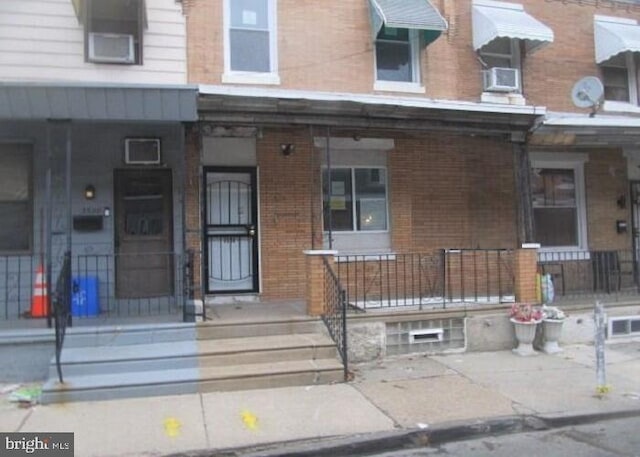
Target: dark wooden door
point(143, 233)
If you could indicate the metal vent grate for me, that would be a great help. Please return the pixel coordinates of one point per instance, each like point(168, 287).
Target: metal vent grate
point(624, 326)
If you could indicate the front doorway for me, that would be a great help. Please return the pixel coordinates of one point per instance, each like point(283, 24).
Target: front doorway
point(230, 231)
point(143, 233)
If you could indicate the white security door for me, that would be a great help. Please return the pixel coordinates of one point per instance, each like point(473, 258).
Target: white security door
point(231, 230)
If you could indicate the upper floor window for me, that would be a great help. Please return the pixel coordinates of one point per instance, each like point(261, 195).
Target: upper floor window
point(250, 44)
point(503, 35)
point(397, 55)
point(502, 53)
point(114, 31)
point(619, 78)
point(615, 54)
point(15, 198)
point(399, 34)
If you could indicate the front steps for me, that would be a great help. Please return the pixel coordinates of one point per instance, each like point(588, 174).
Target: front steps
point(181, 359)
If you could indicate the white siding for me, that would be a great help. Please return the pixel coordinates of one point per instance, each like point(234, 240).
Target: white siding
point(42, 40)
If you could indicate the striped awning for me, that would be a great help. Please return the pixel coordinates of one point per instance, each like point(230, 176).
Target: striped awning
point(493, 20)
point(614, 35)
point(98, 103)
point(407, 14)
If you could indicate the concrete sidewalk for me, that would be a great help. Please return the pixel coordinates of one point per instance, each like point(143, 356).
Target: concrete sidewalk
point(402, 394)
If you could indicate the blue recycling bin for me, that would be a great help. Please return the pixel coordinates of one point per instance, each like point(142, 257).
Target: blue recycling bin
point(85, 301)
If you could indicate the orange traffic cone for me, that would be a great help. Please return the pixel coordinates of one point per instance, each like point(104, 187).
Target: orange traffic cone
point(39, 300)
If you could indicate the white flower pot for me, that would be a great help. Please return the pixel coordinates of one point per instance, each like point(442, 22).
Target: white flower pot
point(525, 333)
point(551, 331)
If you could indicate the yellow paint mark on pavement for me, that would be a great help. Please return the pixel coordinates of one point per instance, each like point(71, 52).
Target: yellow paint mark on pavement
point(250, 420)
point(172, 427)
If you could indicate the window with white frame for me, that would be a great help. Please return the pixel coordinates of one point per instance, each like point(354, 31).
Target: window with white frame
point(502, 53)
point(619, 78)
point(355, 199)
point(15, 198)
point(114, 31)
point(250, 45)
point(559, 212)
point(398, 55)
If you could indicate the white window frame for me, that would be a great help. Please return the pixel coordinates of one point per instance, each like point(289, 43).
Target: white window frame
point(632, 77)
point(515, 59)
point(415, 85)
point(354, 221)
point(575, 162)
point(252, 77)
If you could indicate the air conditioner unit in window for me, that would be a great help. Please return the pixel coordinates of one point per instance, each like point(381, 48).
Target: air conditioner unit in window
point(142, 151)
point(111, 48)
point(499, 79)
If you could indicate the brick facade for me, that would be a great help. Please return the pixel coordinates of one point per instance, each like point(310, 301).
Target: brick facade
point(446, 190)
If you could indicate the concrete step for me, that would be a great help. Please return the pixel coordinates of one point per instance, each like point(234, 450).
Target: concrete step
point(265, 349)
point(191, 380)
point(113, 335)
point(94, 360)
point(243, 329)
point(270, 375)
point(133, 384)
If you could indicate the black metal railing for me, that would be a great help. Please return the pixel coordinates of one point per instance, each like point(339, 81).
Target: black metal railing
point(129, 285)
point(609, 274)
point(61, 308)
point(335, 315)
point(103, 285)
point(17, 280)
point(438, 279)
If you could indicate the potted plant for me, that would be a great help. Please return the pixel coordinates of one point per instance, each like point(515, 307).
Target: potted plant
point(525, 318)
point(552, 320)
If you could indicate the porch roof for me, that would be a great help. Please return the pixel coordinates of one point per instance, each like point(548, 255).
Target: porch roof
point(96, 102)
point(267, 106)
point(575, 129)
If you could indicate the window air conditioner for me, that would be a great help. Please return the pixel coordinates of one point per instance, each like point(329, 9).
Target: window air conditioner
point(499, 79)
point(111, 48)
point(142, 151)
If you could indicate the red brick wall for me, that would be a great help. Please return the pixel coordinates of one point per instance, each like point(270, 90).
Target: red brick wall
point(327, 46)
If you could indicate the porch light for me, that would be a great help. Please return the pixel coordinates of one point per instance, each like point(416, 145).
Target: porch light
point(287, 148)
point(89, 192)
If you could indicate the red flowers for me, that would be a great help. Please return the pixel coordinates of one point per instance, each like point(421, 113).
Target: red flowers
point(525, 312)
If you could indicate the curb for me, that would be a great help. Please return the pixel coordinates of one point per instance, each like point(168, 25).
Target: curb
point(376, 443)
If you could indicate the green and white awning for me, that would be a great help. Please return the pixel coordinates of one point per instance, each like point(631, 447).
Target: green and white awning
point(407, 14)
point(492, 20)
point(614, 35)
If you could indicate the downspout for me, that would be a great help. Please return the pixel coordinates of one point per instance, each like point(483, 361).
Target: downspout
point(68, 196)
point(48, 224)
point(328, 154)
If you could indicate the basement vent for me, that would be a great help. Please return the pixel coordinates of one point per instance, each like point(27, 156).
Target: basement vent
point(426, 334)
point(624, 326)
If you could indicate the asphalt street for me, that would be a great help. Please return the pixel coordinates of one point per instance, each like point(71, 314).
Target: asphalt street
point(612, 438)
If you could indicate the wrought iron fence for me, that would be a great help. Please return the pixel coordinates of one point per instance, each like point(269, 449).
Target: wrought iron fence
point(105, 285)
point(439, 279)
point(17, 280)
point(335, 315)
point(62, 308)
point(605, 273)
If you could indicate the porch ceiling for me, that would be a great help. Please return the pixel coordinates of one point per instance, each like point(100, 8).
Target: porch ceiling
point(585, 131)
point(107, 102)
point(281, 107)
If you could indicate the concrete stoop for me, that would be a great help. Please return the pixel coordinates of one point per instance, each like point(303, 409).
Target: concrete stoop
point(125, 363)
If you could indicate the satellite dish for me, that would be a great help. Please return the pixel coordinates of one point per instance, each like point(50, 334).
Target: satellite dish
point(588, 93)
